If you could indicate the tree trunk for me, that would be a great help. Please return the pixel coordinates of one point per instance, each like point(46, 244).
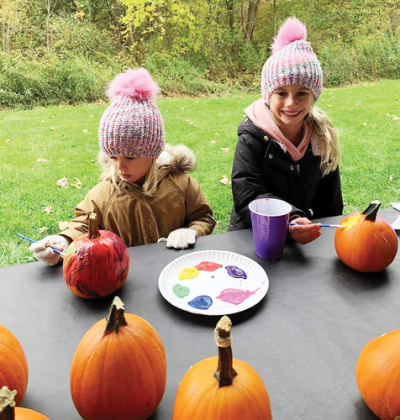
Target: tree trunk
point(251, 18)
point(229, 8)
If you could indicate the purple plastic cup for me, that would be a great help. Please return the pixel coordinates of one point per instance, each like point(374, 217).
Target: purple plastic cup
point(269, 219)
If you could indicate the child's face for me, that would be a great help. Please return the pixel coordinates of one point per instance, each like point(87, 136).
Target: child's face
point(131, 169)
point(290, 104)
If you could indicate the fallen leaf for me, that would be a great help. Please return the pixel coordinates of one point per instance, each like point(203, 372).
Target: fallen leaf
point(63, 182)
point(391, 178)
point(7, 141)
point(41, 160)
point(85, 131)
point(42, 121)
point(48, 210)
point(90, 116)
point(212, 141)
point(395, 118)
point(53, 129)
point(78, 183)
point(225, 149)
point(224, 180)
point(330, 106)
point(63, 225)
point(364, 123)
point(44, 228)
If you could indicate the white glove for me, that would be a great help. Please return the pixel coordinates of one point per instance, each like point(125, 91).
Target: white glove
point(42, 251)
point(180, 238)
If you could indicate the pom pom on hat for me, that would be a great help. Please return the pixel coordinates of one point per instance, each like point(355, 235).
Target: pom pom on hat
point(291, 30)
point(132, 125)
point(293, 62)
point(136, 84)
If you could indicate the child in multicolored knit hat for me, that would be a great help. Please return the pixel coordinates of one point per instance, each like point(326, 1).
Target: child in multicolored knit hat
point(145, 195)
point(287, 148)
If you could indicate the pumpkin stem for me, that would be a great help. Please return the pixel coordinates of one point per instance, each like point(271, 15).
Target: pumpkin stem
point(222, 335)
point(115, 318)
point(372, 210)
point(7, 403)
point(93, 227)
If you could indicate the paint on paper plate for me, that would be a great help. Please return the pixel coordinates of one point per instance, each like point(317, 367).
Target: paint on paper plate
point(235, 296)
point(236, 272)
point(188, 273)
point(201, 302)
point(208, 266)
point(180, 291)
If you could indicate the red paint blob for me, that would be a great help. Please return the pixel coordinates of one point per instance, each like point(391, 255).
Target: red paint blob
point(208, 266)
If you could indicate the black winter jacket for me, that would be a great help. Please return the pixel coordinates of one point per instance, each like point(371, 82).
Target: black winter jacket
point(262, 169)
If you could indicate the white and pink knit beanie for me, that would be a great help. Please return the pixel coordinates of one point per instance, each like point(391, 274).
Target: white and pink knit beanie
point(132, 125)
point(293, 62)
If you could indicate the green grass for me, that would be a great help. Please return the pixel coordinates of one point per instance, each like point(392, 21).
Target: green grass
point(369, 138)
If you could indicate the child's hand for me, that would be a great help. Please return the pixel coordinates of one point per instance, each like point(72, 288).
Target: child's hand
point(305, 233)
point(180, 238)
point(42, 251)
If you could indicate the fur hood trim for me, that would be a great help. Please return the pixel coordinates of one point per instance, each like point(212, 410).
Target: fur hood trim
point(177, 158)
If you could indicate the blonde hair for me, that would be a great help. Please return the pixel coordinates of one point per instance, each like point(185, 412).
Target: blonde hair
point(328, 144)
point(150, 185)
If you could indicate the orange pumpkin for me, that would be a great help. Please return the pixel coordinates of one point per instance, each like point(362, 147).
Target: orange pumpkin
point(8, 411)
point(367, 243)
point(222, 388)
point(378, 375)
point(119, 368)
point(13, 364)
point(97, 263)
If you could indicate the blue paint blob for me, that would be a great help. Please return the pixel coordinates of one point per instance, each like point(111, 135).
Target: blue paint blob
point(201, 302)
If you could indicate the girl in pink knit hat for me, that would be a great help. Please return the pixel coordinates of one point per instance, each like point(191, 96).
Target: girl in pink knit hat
point(287, 148)
point(144, 195)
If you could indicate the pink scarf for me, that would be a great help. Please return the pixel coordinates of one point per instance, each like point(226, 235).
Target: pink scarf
point(262, 117)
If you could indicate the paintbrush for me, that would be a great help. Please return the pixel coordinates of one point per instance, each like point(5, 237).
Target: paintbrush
point(35, 242)
point(319, 224)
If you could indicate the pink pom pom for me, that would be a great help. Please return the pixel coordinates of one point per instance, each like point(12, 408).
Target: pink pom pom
point(137, 84)
point(291, 30)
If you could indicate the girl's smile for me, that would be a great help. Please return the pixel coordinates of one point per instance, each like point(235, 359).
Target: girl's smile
point(290, 105)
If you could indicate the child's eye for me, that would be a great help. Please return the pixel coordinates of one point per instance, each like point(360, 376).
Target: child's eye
point(130, 158)
point(282, 94)
point(113, 157)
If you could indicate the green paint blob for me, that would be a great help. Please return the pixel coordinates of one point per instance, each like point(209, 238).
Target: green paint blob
point(181, 291)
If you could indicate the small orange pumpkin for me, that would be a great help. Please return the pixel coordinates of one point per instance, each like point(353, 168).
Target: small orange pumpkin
point(8, 411)
point(232, 392)
point(97, 263)
point(367, 243)
point(119, 368)
point(13, 364)
point(378, 375)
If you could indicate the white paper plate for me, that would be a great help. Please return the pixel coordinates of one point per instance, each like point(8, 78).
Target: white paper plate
point(247, 292)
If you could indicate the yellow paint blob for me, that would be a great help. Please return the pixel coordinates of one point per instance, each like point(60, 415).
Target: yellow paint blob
point(351, 221)
point(188, 273)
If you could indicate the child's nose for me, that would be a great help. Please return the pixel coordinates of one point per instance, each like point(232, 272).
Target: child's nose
point(120, 166)
point(291, 100)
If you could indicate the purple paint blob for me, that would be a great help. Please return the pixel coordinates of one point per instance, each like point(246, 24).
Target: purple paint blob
point(236, 272)
point(201, 302)
point(235, 296)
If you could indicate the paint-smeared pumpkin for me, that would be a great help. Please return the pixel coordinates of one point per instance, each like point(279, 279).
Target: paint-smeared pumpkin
point(97, 263)
point(367, 243)
point(378, 375)
point(13, 364)
point(222, 388)
point(119, 368)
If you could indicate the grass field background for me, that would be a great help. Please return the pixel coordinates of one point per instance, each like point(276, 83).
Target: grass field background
point(40, 146)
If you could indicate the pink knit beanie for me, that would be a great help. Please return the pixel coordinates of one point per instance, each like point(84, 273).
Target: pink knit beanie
point(132, 125)
point(292, 62)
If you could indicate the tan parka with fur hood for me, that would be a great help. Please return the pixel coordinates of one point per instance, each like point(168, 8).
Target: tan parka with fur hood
point(138, 219)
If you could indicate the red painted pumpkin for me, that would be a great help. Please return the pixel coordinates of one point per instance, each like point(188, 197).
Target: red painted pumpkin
point(367, 243)
point(378, 375)
point(97, 263)
point(222, 388)
point(119, 368)
point(8, 411)
point(13, 364)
